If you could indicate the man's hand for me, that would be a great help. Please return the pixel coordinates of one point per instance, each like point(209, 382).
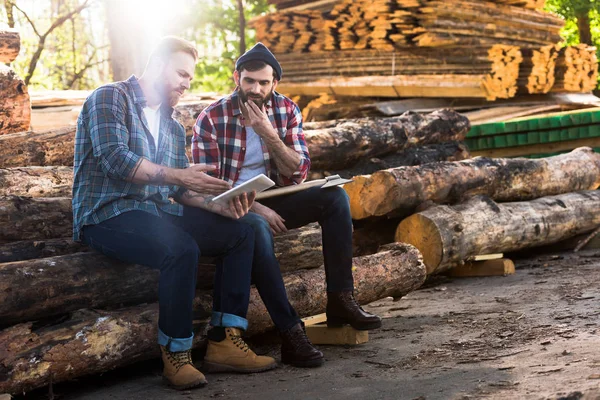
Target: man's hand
point(275, 220)
point(258, 119)
point(195, 178)
point(237, 207)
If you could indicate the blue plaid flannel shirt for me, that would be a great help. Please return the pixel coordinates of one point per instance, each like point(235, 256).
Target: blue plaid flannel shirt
point(112, 136)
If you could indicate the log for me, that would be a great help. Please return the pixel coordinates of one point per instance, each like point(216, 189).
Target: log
point(345, 144)
point(32, 249)
point(36, 288)
point(447, 151)
point(24, 218)
point(449, 235)
point(15, 105)
point(336, 147)
point(10, 45)
point(400, 190)
point(96, 341)
point(54, 147)
point(36, 181)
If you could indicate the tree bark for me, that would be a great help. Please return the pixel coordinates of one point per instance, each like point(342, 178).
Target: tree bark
point(400, 190)
point(23, 149)
point(583, 26)
point(448, 235)
point(345, 144)
point(96, 341)
point(23, 218)
point(10, 45)
point(36, 181)
point(32, 249)
point(15, 105)
point(447, 151)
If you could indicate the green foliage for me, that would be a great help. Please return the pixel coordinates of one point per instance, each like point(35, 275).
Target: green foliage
point(216, 32)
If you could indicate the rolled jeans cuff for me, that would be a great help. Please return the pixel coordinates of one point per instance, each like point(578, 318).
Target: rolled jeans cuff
point(228, 321)
point(175, 344)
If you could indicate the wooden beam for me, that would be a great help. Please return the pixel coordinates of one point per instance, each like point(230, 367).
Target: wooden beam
point(346, 335)
point(497, 267)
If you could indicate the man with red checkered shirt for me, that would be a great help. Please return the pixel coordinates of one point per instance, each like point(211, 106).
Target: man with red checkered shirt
point(257, 130)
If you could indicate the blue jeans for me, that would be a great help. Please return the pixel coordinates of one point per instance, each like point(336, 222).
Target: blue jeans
point(173, 244)
point(331, 209)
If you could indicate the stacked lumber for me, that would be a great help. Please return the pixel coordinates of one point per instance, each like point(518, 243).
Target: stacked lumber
point(537, 71)
point(576, 69)
point(326, 4)
point(537, 135)
point(15, 105)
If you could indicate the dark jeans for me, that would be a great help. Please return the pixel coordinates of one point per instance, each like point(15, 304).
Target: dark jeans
point(331, 209)
point(173, 244)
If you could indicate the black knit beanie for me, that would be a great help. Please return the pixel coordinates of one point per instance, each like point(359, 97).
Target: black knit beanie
point(261, 53)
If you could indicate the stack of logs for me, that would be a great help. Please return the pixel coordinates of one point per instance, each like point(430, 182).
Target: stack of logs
point(15, 105)
point(66, 311)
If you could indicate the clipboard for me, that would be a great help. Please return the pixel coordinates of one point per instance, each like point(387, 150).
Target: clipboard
point(330, 181)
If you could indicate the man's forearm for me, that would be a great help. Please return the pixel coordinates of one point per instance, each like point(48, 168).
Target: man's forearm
point(153, 174)
point(286, 159)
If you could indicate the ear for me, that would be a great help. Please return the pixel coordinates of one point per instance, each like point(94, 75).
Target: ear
point(236, 77)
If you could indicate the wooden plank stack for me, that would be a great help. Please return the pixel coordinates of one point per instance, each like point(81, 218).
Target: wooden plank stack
point(15, 105)
point(423, 48)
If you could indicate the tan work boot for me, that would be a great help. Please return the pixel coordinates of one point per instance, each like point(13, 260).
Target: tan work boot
point(232, 354)
point(179, 371)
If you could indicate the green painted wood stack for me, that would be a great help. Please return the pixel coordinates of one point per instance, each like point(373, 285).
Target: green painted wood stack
point(550, 134)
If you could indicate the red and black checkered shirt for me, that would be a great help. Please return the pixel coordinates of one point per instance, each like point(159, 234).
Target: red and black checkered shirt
point(220, 138)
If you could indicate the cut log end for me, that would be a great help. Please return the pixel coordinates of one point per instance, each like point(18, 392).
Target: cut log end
point(422, 233)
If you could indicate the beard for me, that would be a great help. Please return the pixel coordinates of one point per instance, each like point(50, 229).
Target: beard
point(169, 94)
point(255, 98)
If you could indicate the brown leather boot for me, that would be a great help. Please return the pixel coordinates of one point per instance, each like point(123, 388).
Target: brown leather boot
point(342, 309)
point(297, 350)
point(232, 354)
point(179, 371)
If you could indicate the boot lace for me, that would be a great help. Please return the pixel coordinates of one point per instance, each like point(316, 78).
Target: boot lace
point(180, 358)
point(240, 343)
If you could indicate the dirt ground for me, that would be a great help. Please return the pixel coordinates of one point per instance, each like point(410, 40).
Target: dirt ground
point(531, 335)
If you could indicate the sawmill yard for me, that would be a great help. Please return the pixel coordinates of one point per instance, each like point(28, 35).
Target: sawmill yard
point(531, 335)
point(471, 133)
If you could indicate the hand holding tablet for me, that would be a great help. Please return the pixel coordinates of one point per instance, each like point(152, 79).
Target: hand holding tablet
point(258, 183)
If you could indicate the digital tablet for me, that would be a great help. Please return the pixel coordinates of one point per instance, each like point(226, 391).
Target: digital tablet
point(259, 183)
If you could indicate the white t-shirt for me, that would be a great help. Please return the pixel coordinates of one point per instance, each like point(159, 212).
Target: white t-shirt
point(153, 119)
point(254, 163)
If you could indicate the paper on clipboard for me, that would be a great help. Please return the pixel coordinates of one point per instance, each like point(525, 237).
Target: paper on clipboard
point(330, 181)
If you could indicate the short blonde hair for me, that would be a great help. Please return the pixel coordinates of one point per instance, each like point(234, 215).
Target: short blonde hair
point(173, 44)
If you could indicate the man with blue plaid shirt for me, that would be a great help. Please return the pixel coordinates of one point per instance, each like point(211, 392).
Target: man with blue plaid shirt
point(136, 199)
point(257, 130)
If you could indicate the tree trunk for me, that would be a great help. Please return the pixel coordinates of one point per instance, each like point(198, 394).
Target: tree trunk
point(15, 106)
point(23, 218)
point(10, 45)
point(345, 144)
point(447, 151)
point(242, 26)
point(22, 149)
point(39, 288)
point(583, 25)
point(400, 190)
point(448, 235)
point(32, 249)
point(36, 181)
point(96, 341)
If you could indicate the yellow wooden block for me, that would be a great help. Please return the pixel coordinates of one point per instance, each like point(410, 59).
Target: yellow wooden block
point(321, 334)
point(498, 267)
point(315, 319)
